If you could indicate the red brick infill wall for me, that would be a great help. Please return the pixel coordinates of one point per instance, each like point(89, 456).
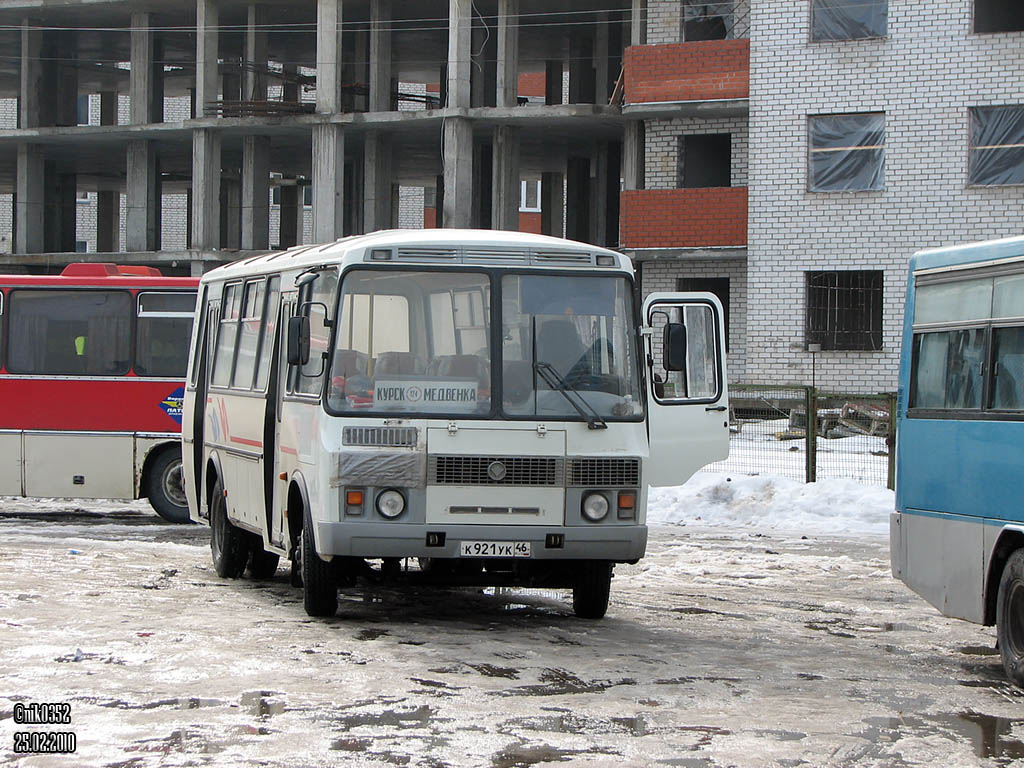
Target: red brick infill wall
point(696, 71)
point(683, 218)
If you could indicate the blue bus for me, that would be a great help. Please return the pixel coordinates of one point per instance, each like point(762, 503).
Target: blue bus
point(957, 534)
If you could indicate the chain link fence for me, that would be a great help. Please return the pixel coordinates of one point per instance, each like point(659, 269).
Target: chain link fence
point(851, 435)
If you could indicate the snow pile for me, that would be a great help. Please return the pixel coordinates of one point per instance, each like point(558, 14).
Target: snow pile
point(775, 503)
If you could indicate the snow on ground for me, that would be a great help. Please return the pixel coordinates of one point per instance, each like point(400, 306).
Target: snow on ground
point(767, 502)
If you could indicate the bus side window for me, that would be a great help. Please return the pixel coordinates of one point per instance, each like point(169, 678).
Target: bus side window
point(164, 320)
point(249, 335)
point(317, 296)
point(227, 335)
point(1008, 353)
point(947, 369)
point(269, 333)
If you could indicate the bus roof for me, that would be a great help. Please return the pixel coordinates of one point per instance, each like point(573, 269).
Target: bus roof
point(431, 246)
point(973, 254)
point(102, 274)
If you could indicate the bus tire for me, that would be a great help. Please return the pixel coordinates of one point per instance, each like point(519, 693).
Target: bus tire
point(593, 582)
point(229, 545)
point(1010, 618)
point(262, 564)
point(319, 589)
point(164, 487)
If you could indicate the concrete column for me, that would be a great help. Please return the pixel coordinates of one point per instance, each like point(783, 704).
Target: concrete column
point(376, 182)
point(142, 215)
point(601, 51)
point(633, 155)
point(552, 204)
point(141, 79)
point(31, 181)
point(206, 158)
point(507, 77)
point(460, 65)
point(581, 70)
point(31, 94)
point(254, 79)
point(256, 193)
point(638, 23)
point(553, 81)
point(458, 171)
point(328, 56)
point(207, 51)
point(505, 179)
point(380, 56)
point(289, 197)
point(484, 72)
point(328, 182)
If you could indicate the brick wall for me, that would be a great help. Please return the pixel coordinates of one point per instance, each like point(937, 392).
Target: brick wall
point(924, 76)
point(683, 218)
point(695, 71)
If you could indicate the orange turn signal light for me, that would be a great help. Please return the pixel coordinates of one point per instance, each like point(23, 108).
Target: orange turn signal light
point(627, 500)
point(354, 498)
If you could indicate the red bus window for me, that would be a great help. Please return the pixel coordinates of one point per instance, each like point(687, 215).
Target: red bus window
point(163, 332)
point(77, 332)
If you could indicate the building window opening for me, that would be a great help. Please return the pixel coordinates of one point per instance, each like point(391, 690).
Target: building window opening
point(997, 146)
point(529, 196)
point(705, 160)
point(719, 286)
point(847, 152)
point(706, 21)
point(844, 310)
point(849, 19)
point(998, 16)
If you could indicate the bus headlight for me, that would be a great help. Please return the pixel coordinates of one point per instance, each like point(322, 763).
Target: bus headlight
point(595, 507)
point(390, 503)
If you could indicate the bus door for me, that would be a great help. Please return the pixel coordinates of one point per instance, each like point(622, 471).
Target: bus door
point(687, 394)
point(270, 377)
point(193, 431)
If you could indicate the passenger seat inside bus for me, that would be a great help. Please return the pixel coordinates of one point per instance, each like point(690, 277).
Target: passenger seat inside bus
point(558, 343)
point(460, 367)
point(397, 364)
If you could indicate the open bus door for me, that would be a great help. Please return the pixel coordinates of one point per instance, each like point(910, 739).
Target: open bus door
point(687, 393)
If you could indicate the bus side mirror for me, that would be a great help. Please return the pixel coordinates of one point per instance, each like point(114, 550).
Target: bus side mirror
point(298, 340)
point(674, 347)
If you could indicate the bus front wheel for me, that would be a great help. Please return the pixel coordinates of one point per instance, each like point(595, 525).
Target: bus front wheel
point(164, 486)
point(319, 589)
point(591, 589)
point(229, 545)
point(1010, 618)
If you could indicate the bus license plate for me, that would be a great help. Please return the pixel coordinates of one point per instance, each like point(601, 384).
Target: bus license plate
point(494, 549)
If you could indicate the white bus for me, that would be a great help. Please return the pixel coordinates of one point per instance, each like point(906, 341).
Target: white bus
point(450, 406)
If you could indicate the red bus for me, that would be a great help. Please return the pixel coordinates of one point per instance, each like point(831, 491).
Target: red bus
point(92, 370)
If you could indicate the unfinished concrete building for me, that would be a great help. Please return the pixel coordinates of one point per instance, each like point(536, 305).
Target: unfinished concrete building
point(194, 131)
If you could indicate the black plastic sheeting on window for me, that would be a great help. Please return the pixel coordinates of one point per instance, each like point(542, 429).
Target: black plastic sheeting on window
point(997, 145)
point(849, 19)
point(847, 152)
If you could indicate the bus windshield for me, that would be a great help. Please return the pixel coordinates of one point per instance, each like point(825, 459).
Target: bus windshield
point(419, 342)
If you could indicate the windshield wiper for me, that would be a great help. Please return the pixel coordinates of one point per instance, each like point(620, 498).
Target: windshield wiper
point(555, 381)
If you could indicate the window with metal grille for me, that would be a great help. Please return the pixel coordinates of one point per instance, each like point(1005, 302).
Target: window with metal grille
point(997, 146)
point(846, 152)
point(849, 19)
point(844, 310)
point(998, 16)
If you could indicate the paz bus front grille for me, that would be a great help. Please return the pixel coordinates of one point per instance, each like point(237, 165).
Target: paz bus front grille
point(484, 470)
point(604, 473)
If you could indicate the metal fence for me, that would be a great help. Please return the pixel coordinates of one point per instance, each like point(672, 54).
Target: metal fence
point(851, 435)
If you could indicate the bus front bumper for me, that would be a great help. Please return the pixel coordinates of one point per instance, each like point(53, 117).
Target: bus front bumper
point(618, 543)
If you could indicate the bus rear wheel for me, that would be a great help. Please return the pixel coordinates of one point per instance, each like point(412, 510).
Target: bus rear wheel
point(1010, 618)
point(229, 545)
point(593, 583)
point(319, 588)
point(164, 486)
